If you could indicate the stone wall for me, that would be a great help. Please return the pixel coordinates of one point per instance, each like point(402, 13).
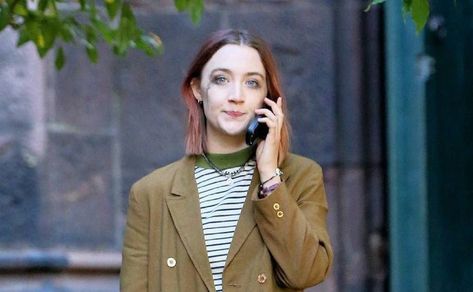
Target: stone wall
point(72, 142)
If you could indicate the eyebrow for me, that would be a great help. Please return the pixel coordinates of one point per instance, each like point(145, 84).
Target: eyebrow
point(230, 71)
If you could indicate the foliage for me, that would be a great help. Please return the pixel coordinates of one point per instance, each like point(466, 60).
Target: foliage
point(418, 9)
point(50, 24)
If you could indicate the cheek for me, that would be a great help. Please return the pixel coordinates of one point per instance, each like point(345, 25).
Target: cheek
point(213, 100)
point(215, 90)
point(217, 94)
point(256, 97)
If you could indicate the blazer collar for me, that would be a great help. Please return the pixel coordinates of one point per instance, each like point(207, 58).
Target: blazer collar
point(184, 182)
point(246, 223)
point(183, 204)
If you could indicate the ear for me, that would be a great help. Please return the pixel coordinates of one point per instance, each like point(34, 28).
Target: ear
point(195, 85)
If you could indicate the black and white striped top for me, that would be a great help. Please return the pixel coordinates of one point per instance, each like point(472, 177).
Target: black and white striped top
point(220, 204)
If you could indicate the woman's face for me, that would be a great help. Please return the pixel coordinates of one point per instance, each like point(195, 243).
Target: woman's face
point(232, 86)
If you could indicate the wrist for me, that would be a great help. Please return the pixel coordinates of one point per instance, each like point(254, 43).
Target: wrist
point(271, 181)
point(273, 177)
point(267, 173)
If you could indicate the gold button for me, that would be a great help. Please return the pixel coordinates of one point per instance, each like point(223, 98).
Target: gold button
point(280, 214)
point(171, 262)
point(262, 278)
point(276, 206)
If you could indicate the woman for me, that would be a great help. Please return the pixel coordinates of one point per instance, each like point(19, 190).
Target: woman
point(228, 217)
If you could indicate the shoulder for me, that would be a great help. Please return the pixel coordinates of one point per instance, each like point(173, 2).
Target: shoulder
point(297, 161)
point(299, 165)
point(161, 177)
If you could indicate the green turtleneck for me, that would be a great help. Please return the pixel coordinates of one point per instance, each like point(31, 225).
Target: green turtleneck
point(227, 160)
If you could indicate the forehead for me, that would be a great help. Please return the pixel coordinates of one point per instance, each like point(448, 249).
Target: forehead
point(236, 58)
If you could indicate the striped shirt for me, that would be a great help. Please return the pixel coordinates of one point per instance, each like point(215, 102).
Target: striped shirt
point(220, 205)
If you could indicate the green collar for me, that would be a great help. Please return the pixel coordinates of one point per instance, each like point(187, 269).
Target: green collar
point(228, 160)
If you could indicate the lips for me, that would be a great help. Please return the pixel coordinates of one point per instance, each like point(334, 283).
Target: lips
point(234, 114)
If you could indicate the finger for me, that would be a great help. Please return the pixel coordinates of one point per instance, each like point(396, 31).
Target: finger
point(278, 120)
point(266, 112)
point(275, 107)
point(281, 114)
point(269, 122)
point(277, 110)
point(279, 102)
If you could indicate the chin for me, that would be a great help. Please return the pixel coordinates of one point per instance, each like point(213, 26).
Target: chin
point(234, 131)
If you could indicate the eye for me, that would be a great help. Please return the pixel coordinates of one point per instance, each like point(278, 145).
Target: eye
point(220, 80)
point(252, 83)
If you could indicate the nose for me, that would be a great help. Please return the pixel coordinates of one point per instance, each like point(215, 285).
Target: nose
point(236, 95)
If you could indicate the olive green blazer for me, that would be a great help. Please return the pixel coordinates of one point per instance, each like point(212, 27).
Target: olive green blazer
point(280, 243)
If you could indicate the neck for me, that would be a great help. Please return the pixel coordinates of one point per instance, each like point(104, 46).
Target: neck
point(226, 144)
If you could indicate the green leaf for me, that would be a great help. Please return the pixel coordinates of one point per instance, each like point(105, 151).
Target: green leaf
point(181, 5)
point(20, 8)
point(112, 7)
point(24, 37)
point(35, 32)
point(127, 13)
point(48, 30)
point(92, 9)
point(127, 32)
point(90, 34)
point(60, 59)
point(107, 33)
point(374, 2)
point(42, 5)
point(420, 13)
point(149, 45)
point(67, 32)
point(406, 7)
point(196, 10)
point(121, 47)
point(92, 53)
point(51, 9)
point(4, 16)
point(115, 50)
point(82, 5)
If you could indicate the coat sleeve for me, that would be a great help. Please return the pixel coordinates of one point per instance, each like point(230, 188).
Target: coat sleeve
point(292, 222)
point(134, 270)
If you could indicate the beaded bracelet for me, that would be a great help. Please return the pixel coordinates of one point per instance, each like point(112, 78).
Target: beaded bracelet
point(264, 192)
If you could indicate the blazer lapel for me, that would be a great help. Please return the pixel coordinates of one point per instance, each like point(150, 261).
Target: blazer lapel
point(183, 204)
point(246, 223)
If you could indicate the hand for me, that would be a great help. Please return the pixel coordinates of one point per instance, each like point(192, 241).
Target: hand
point(268, 149)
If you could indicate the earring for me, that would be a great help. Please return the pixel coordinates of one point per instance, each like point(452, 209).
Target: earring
point(201, 102)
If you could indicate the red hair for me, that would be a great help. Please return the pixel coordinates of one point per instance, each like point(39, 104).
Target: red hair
point(196, 134)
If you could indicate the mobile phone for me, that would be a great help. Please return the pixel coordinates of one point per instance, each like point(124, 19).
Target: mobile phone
point(256, 130)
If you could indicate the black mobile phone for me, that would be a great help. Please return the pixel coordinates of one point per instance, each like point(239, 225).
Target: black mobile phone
point(256, 130)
